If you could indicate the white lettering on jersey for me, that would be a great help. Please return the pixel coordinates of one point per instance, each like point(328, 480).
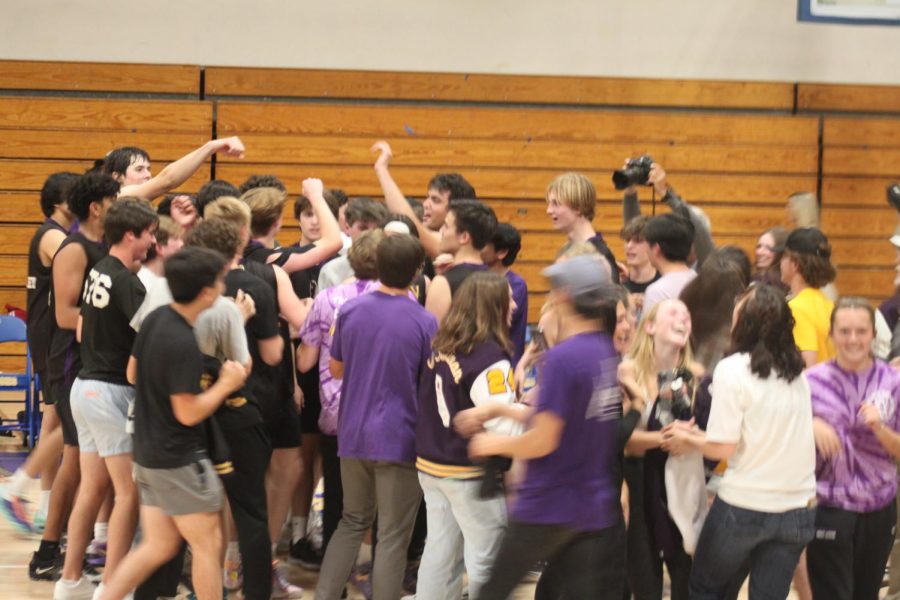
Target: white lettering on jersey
point(96, 289)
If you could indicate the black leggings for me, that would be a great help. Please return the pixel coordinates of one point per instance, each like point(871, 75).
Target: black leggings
point(588, 564)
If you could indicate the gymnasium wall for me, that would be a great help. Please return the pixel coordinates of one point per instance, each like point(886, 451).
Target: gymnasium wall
point(736, 149)
point(688, 39)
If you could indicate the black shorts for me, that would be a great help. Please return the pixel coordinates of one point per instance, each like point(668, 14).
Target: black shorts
point(284, 426)
point(61, 393)
point(312, 405)
point(46, 389)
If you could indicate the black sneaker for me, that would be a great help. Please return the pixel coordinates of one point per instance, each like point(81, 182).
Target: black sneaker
point(46, 569)
point(303, 553)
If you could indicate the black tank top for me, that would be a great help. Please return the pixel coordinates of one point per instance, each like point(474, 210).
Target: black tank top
point(37, 294)
point(64, 360)
point(458, 273)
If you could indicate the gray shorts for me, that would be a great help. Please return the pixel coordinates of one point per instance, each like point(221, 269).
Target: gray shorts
point(194, 488)
point(100, 412)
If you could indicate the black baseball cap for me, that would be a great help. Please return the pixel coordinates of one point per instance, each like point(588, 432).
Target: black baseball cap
point(808, 240)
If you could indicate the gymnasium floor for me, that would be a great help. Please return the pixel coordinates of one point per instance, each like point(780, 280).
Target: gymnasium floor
point(16, 549)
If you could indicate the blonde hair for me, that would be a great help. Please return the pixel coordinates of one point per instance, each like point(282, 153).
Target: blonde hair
point(266, 207)
point(228, 208)
point(642, 350)
point(575, 191)
point(167, 229)
point(804, 209)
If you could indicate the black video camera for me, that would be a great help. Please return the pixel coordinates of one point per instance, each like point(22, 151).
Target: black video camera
point(893, 195)
point(673, 403)
point(636, 172)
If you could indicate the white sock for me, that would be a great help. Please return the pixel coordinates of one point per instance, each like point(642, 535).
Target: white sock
point(100, 531)
point(44, 505)
point(233, 554)
point(298, 529)
point(18, 482)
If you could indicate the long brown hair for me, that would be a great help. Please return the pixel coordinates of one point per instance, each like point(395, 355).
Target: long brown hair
point(477, 314)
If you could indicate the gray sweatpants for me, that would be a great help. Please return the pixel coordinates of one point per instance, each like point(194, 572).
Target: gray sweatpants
point(390, 489)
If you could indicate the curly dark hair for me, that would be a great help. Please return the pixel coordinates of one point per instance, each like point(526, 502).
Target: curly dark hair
point(91, 188)
point(765, 330)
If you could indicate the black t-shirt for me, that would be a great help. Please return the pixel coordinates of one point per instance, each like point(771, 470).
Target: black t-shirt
point(109, 299)
point(64, 360)
point(639, 288)
point(306, 281)
point(38, 298)
point(263, 383)
point(169, 362)
point(240, 409)
point(604, 250)
point(255, 257)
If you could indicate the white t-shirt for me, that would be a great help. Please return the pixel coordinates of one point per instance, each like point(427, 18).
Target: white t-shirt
point(770, 420)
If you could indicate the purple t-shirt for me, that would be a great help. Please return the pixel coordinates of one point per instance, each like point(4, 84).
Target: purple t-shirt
point(520, 315)
point(577, 485)
point(863, 476)
point(317, 331)
point(384, 342)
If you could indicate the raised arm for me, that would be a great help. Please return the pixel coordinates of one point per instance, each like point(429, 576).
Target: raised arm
point(396, 200)
point(703, 242)
point(326, 246)
point(181, 170)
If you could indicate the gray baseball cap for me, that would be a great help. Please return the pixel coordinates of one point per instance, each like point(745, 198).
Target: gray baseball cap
point(581, 276)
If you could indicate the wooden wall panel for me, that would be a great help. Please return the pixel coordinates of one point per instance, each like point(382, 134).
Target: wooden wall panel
point(459, 154)
point(510, 140)
point(470, 123)
point(135, 116)
point(849, 98)
point(527, 184)
point(99, 77)
point(870, 132)
point(381, 85)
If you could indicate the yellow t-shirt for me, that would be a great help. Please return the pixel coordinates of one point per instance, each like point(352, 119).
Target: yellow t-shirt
point(812, 320)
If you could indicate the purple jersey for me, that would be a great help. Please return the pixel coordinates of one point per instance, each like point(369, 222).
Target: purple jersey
point(577, 485)
point(863, 476)
point(384, 342)
point(453, 383)
point(318, 331)
point(520, 315)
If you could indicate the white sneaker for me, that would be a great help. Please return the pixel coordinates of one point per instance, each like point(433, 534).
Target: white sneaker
point(65, 589)
point(282, 589)
point(97, 591)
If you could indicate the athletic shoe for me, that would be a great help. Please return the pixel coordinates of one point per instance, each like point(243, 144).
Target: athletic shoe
point(13, 509)
point(73, 590)
point(46, 570)
point(95, 555)
point(39, 522)
point(304, 554)
point(92, 574)
point(282, 589)
point(233, 575)
point(361, 578)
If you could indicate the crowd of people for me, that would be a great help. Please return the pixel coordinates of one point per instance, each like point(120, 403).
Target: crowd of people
point(686, 410)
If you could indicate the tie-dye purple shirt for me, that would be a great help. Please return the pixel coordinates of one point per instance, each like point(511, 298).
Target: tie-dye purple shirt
point(863, 476)
point(317, 331)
